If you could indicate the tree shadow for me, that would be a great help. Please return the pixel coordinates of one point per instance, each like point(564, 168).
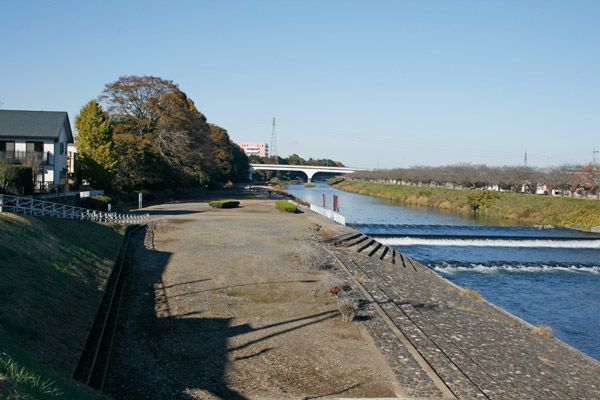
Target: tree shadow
point(168, 212)
point(161, 355)
point(242, 285)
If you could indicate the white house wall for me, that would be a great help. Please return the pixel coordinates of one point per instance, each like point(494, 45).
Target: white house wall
point(49, 169)
point(56, 161)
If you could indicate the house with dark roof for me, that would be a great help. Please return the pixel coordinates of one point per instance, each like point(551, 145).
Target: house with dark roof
point(39, 139)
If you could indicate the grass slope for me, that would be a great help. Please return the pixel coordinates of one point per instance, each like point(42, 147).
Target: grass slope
point(53, 276)
point(517, 207)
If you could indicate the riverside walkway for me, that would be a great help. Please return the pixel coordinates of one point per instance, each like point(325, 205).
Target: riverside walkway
point(222, 308)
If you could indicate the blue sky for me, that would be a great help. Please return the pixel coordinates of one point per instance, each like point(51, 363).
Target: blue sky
point(370, 83)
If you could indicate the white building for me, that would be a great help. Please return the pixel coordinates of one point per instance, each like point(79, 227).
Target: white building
point(37, 138)
point(260, 149)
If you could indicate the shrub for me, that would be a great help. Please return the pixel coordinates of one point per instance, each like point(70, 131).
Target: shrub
point(543, 330)
point(309, 185)
point(99, 203)
point(481, 199)
point(16, 179)
point(347, 307)
point(224, 203)
point(311, 257)
point(326, 234)
point(330, 283)
point(286, 206)
point(470, 293)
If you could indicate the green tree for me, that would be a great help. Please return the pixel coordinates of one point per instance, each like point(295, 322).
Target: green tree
point(95, 146)
point(232, 162)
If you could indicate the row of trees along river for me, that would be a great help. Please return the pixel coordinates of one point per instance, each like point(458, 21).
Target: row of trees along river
point(144, 132)
point(567, 179)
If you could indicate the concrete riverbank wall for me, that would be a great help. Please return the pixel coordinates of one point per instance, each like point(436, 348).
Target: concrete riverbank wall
point(446, 341)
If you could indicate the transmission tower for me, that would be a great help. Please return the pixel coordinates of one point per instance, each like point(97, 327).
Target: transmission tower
point(273, 149)
point(525, 158)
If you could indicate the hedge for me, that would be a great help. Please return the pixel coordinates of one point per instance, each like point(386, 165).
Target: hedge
point(99, 203)
point(286, 206)
point(224, 203)
point(16, 179)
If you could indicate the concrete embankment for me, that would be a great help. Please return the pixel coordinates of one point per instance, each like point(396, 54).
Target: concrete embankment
point(223, 307)
point(453, 342)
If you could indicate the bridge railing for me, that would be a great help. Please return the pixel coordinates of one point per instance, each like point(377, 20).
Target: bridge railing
point(40, 208)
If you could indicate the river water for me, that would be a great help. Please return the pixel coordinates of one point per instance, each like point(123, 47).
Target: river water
point(545, 276)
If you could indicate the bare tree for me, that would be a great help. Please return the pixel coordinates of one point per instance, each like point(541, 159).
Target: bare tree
point(135, 98)
point(34, 161)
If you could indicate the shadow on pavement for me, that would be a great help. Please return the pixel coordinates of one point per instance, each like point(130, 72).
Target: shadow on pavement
point(158, 355)
point(170, 212)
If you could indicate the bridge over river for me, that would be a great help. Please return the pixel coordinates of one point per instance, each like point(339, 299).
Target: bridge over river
point(309, 170)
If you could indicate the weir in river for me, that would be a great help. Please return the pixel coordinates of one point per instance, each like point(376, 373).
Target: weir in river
point(545, 276)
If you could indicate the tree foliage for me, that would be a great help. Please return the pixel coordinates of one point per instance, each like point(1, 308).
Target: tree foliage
point(568, 178)
point(157, 138)
point(95, 146)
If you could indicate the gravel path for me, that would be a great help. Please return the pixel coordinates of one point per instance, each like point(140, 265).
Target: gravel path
point(222, 308)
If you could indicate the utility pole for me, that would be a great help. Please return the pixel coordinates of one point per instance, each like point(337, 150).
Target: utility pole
point(273, 149)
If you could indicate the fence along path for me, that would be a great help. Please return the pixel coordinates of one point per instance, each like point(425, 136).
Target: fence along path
point(40, 208)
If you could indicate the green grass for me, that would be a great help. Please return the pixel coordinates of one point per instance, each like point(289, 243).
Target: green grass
point(224, 203)
point(514, 207)
point(286, 206)
point(53, 276)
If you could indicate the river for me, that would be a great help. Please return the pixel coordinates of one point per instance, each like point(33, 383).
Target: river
point(545, 276)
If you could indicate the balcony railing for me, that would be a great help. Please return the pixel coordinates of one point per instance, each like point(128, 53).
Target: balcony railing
point(44, 187)
point(20, 157)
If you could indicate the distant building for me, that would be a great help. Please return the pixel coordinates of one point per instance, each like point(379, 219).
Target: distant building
point(39, 139)
point(260, 149)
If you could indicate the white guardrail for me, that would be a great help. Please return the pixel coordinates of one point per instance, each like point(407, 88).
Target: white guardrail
point(332, 215)
point(40, 208)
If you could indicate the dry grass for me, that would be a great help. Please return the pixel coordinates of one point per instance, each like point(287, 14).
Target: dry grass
point(311, 257)
point(543, 330)
point(348, 308)
point(326, 234)
point(470, 293)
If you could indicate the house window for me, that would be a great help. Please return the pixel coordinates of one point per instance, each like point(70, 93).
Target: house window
point(7, 149)
point(37, 147)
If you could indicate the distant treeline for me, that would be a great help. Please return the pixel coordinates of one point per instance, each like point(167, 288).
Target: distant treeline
point(572, 179)
point(294, 159)
point(519, 208)
point(143, 132)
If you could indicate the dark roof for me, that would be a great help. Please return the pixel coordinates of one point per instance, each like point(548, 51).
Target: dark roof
point(34, 124)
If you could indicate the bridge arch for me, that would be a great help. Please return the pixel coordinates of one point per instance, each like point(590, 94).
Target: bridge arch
point(308, 170)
